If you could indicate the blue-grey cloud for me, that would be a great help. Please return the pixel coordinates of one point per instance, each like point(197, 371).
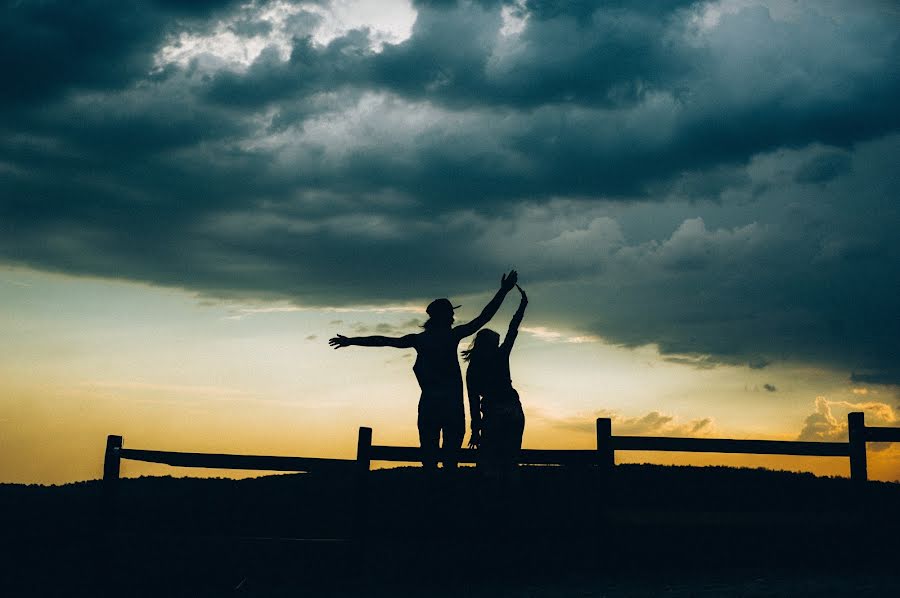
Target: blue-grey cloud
point(714, 178)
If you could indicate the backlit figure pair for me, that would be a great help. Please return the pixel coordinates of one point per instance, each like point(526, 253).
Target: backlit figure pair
point(497, 417)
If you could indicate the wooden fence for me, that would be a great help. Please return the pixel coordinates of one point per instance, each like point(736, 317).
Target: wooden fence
point(603, 456)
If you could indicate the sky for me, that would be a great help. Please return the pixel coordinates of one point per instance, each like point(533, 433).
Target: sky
point(700, 198)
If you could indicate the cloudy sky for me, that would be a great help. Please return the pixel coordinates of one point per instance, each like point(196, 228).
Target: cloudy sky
point(701, 199)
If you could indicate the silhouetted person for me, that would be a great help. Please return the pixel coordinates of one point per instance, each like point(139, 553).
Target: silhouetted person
point(498, 421)
point(441, 408)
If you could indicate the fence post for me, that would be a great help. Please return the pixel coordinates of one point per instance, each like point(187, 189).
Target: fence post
point(856, 425)
point(363, 461)
point(605, 461)
point(606, 456)
point(111, 459)
point(111, 467)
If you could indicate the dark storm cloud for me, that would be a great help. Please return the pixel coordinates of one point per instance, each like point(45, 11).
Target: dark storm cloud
point(584, 53)
point(579, 53)
point(714, 179)
point(823, 167)
point(813, 275)
point(605, 101)
point(50, 47)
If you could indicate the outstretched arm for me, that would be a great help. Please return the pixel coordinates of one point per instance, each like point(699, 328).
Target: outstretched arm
point(506, 285)
point(513, 331)
point(402, 342)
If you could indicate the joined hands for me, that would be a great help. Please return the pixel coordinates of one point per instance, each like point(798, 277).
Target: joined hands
point(508, 281)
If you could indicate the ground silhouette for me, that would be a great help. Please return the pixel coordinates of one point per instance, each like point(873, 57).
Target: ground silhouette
point(704, 530)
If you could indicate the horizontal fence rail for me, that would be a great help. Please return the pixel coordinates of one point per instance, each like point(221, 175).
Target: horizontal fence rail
point(880, 434)
point(722, 445)
point(220, 461)
point(410, 454)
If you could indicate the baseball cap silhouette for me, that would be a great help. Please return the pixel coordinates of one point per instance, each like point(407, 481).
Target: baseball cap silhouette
point(440, 307)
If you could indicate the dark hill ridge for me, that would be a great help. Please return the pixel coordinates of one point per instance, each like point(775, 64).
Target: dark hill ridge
point(546, 498)
point(559, 525)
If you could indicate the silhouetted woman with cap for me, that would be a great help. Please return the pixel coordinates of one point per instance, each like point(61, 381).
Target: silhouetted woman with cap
point(441, 408)
point(498, 421)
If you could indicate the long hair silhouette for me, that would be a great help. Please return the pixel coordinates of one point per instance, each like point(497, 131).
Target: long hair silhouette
point(483, 346)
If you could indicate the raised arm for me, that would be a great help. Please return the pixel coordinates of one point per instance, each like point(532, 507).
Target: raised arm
point(507, 282)
point(513, 331)
point(402, 342)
